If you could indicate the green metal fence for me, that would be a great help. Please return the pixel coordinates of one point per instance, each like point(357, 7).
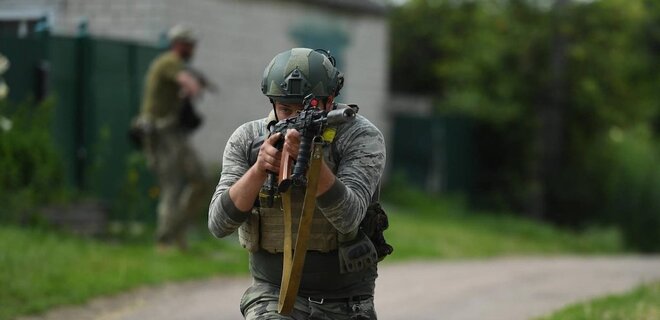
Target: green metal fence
point(435, 153)
point(97, 87)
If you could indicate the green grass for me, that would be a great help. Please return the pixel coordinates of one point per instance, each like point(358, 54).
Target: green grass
point(41, 269)
point(448, 230)
point(642, 303)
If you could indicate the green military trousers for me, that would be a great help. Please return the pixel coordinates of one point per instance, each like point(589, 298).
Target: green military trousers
point(181, 181)
point(260, 302)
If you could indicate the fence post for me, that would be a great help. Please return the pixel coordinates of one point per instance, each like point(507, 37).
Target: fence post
point(42, 69)
point(81, 99)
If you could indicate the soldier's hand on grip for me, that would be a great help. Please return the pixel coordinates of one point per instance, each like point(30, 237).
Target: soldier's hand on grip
point(269, 157)
point(292, 142)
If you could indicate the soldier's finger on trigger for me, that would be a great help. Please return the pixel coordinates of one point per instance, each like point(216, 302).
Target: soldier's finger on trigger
point(292, 135)
point(274, 138)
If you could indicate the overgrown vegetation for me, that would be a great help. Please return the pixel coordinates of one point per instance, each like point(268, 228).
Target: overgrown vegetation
point(627, 175)
point(639, 304)
point(31, 174)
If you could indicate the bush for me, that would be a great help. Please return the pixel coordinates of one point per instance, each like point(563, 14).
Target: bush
point(32, 171)
point(630, 182)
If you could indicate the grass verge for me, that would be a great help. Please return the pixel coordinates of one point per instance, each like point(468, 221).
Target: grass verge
point(446, 229)
point(42, 269)
point(640, 304)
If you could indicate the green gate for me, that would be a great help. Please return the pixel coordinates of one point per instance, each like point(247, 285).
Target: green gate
point(435, 153)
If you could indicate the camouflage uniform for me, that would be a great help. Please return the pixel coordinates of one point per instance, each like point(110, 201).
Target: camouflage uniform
point(357, 157)
point(260, 302)
point(168, 152)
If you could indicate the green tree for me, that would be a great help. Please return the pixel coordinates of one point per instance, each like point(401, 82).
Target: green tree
point(548, 82)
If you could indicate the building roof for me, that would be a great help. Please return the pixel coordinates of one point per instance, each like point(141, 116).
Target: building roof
point(361, 6)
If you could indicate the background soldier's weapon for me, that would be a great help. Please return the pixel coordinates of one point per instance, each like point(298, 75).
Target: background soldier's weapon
point(311, 123)
point(189, 119)
point(204, 81)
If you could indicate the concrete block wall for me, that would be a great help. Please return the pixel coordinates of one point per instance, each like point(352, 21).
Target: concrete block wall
point(238, 39)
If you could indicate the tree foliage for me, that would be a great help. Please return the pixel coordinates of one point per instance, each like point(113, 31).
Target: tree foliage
point(548, 82)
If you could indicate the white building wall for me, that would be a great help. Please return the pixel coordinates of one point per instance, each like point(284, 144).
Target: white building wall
point(238, 39)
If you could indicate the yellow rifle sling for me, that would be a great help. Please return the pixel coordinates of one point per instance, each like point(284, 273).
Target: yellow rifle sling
point(292, 267)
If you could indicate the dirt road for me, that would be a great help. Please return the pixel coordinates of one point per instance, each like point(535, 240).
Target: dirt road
point(505, 288)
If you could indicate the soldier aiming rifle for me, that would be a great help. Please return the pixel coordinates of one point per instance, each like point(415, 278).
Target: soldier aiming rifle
point(315, 213)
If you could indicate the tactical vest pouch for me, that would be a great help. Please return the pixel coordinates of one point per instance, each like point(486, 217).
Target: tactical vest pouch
point(248, 232)
point(323, 235)
point(374, 223)
point(357, 254)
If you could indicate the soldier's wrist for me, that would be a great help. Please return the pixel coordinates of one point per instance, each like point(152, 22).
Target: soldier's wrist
point(257, 173)
point(231, 209)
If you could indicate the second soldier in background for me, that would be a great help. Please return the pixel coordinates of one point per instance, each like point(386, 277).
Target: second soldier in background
point(164, 124)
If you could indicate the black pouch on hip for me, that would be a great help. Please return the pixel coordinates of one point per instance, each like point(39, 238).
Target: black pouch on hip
point(374, 223)
point(357, 254)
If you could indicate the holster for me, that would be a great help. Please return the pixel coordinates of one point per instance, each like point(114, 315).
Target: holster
point(357, 254)
point(138, 131)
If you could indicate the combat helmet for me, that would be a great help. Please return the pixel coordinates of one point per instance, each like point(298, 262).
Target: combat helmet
point(295, 73)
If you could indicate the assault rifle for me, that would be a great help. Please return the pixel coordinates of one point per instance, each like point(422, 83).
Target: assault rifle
point(310, 122)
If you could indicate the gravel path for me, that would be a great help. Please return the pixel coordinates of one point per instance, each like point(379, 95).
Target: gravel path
point(504, 288)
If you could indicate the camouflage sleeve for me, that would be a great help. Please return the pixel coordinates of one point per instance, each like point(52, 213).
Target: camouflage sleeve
point(224, 217)
point(361, 150)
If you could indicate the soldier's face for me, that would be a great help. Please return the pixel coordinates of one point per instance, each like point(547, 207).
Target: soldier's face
point(185, 49)
point(188, 51)
point(288, 110)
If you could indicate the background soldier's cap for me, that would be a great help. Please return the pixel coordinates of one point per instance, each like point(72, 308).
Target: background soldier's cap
point(181, 33)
